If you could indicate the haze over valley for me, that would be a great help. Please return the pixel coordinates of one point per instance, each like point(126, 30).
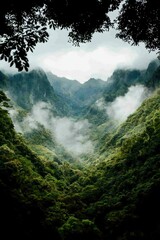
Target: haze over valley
point(80, 160)
point(71, 111)
point(80, 120)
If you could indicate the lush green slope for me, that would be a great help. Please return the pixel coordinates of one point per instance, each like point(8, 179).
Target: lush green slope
point(114, 195)
point(125, 182)
point(31, 189)
point(118, 85)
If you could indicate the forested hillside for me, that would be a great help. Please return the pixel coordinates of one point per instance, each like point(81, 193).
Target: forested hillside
point(85, 173)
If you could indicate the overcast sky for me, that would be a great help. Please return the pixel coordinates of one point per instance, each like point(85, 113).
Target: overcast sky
point(97, 59)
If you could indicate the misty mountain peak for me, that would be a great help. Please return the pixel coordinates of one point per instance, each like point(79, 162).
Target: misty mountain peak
point(93, 82)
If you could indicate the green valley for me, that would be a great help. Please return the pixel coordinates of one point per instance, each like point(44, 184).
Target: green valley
point(80, 161)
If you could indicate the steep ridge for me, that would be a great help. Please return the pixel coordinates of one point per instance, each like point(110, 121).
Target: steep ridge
point(66, 89)
point(63, 86)
point(83, 94)
point(90, 91)
point(118, 85)
point(122, 79)
point(114, 195)
point(28, 186)
point(26, 89)
point(78, 96)
point(44, 104)
point(124, 184)
point(33, 101)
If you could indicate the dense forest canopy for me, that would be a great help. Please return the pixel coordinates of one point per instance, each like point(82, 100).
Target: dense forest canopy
point(113, 192)
point(45, 192)
point(24, 24)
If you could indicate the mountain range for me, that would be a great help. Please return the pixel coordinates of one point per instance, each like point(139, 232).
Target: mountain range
point(80, 161)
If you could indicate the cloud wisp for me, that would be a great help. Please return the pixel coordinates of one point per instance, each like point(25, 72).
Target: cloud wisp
point(123, 106)
point(72, 135)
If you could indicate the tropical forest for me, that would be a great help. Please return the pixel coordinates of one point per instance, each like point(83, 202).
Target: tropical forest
point(72, 165)
point(79, 161)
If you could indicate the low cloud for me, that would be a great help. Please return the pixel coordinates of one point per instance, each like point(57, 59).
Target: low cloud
point(101, 104)
point(97, 59)
point(81, 64)
point(124, 106)
point(14, 114)
point(72, 135)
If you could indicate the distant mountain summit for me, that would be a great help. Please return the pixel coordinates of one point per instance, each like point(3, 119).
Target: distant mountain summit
point(26, 89)
point(78, 96)
point(112, 192)
point(70, 97)
point(63, 86)
point(90, 91)
point(122, 79)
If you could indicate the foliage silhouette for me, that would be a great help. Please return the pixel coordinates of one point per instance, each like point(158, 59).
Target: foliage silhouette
point(23, 25)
